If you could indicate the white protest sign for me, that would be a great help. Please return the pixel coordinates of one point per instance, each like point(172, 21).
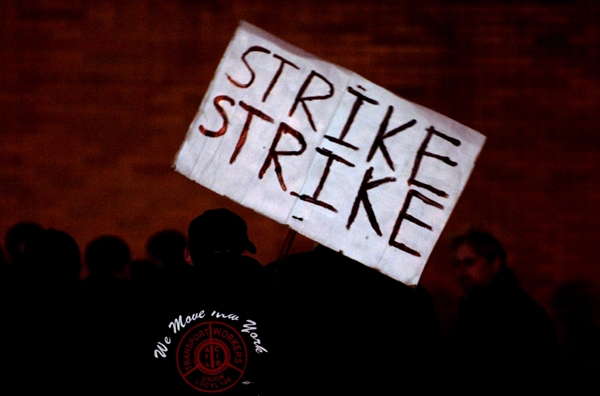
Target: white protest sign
point(334, 156)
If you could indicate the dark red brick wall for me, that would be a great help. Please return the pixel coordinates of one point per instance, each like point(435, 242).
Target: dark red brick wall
point(96, 97)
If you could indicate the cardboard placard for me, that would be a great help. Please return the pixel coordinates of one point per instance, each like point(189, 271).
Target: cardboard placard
point(337, 158)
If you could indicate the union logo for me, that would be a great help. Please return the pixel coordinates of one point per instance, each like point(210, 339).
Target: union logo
point(212, 357)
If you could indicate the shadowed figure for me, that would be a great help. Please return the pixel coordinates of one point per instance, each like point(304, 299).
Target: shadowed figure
point(502, 338)
point(18, 240)
point(107, 258)
point(577, 308)
point(166, 248)
point(58, 261)
point(21, 239)
point(108, 319)
point(344, 328)
point(44, 315)
point(195, 323)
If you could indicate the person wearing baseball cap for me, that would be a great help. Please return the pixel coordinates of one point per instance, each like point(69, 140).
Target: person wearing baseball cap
point(218, 232)
point(209, 329)
point(218, 246)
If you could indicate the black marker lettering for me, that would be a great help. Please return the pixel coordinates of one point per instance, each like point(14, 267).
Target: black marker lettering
point(424, 153)
point(252, 74)
point(277, 74)
point(363, 196)
point(360, 98)
point(274, 154)
point(303, 100)
point(341, 142)
point(382, 135)
point(314, 199)
point(223, 129)
point(404, 215)
point(251, 112)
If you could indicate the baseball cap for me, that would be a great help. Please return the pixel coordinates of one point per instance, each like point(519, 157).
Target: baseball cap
point(219, 231)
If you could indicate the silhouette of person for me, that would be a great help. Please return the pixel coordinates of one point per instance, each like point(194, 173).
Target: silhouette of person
point(167, 248)
point(109, 316)
point(208, 332)
point(107, 258)
point(22, 239)
point(345, 328)
point(166, 251)
point(19, 238)
point(43, 317)
point(502, 337)
point(57, 260)
point(577, 308)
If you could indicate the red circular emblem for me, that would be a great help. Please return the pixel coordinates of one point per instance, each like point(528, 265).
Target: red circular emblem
point(212, 357)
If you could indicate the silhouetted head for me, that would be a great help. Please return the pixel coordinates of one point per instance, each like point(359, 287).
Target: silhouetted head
point(218, 232)
point(20, 239)
point(167, 248)
point(478, 257)
point(107, 254)
point(59, 256)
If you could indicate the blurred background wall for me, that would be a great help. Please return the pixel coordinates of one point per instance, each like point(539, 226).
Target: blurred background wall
point(96, 98)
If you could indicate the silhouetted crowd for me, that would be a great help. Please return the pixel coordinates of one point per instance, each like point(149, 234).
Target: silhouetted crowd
point(200, 315)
